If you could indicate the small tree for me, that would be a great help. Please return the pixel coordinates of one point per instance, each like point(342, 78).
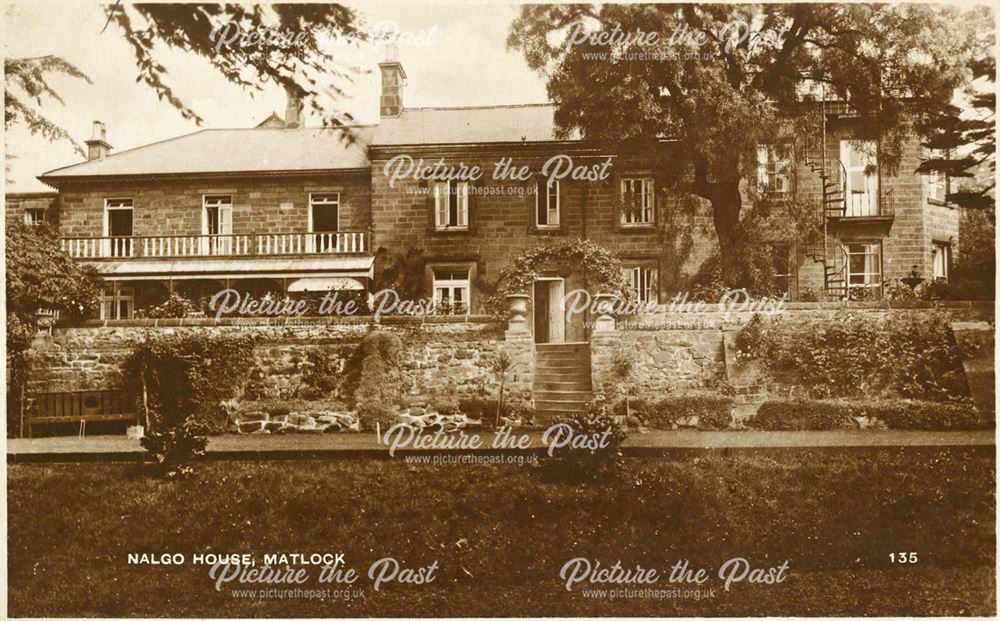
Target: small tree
point(499, 364)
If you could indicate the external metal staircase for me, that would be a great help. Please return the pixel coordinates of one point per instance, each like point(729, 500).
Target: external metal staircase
point(828, 252)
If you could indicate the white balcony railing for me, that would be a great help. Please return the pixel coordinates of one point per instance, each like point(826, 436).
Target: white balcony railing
point(173, 246)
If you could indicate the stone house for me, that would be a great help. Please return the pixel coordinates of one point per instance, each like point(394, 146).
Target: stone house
point(285, 208)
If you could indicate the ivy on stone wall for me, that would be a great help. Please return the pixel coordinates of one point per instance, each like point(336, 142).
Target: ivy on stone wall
point(184, 383)
point(854, 354)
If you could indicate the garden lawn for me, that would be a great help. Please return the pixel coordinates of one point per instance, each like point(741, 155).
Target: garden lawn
point(500, 534)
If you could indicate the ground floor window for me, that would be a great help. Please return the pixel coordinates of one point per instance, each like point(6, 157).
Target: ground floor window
point(864, 268)
point(781, 264)
point(941, 260)
point(117, 302)
point(452, 289)
point(643, 281)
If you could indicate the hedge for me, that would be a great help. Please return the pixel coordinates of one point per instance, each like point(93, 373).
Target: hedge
point(824, 415)
point(713, 411)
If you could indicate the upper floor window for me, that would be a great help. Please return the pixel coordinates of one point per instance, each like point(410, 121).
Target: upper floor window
point(452, 287)
point(547, 203)
point(324, 212)
point(643, 281)
point(451, 205)
point(937, 181)
point(217, 215)
point(774, 165)
point(217, 224)
point(118, 227)
point(860, 159)
point(34, 216)
point(637, 201)
point(941, 260)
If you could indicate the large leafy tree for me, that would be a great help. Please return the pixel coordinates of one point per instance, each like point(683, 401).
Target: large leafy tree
point(722, 95)
point(40, 276)
point(298, 56)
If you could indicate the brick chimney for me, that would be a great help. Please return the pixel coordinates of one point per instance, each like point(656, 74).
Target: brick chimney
point(393, 76)
point(294, 107)
point(98, 147)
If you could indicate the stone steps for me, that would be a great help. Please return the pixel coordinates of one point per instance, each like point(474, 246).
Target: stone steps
point(562, 384)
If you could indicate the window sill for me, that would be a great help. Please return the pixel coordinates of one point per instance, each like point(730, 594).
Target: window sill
point(452, 230)
point(548, 230)
point(938, 202)
point(637, 228)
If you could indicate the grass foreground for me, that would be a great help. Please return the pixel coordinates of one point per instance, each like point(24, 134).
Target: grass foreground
point(500, 535)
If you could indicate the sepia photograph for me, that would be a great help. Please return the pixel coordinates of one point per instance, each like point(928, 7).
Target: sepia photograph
point(497, 309)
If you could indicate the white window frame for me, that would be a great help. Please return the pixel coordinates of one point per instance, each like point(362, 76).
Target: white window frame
point(862, 201)
point(643, 280)
point(774, 172)
point(320, 241)
point(118, 295)
point(32, 221)
point(323, 199)
point(452, 285)
point(442, 208)
point(118, 247)
point(221, 202)
point(940, 259)
point(868, 282)
point(937, 181)
point(220, 242)
point(644, 216)
point(551, 213)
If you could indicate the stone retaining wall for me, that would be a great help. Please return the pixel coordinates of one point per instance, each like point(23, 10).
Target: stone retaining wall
point(441, 357)
point(683, 351)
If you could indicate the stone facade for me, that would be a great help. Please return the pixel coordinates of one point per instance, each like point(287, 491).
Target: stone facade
point(18, 205)
point(260, 204)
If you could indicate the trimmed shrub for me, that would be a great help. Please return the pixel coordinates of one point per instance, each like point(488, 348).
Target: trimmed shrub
point(823, 415)
point(377, 378)
point(713, 411)
point(802, 415)
point(925, 415)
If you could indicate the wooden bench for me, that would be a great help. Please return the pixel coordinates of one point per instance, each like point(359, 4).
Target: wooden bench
point(82, 406)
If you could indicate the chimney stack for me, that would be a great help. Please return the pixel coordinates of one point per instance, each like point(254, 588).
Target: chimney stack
point(294, 107)
point(98, 147)
point(391, 101)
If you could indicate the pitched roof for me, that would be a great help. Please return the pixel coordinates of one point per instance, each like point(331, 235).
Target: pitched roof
point(267, 148)
point(473, 125)
point(258, 149)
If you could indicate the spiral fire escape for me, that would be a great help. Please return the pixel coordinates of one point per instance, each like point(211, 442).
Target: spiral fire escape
point(827, 251)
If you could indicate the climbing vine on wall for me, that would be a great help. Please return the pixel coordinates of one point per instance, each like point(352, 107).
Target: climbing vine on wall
point(601, 267)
